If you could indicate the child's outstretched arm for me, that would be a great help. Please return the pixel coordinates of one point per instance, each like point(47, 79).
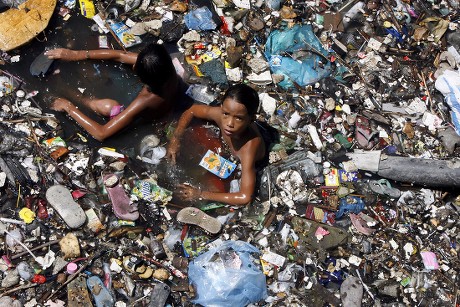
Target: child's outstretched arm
point(114, 125)
point(98, 54)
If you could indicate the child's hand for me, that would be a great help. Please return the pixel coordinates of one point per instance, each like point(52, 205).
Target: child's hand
point(173, 150)
point(61, 54)
point(188, 193)
point(61, 105)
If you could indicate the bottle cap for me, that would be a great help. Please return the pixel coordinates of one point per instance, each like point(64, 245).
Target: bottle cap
point(72, 268)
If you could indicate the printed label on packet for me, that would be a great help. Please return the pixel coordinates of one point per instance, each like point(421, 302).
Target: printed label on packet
point(217, 165)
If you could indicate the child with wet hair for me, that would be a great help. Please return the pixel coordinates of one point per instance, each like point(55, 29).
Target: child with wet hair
point(236, 119)
point(159, 96)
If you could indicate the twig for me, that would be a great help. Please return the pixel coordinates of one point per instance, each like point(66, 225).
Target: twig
point(23, 287)
point(35, 248)
point(422, 75)
point(365, 286)
point(116, 37)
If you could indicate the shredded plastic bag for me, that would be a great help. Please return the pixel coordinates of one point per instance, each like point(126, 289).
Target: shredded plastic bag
point(449, 85)
point(297, 54)
point(228, 276)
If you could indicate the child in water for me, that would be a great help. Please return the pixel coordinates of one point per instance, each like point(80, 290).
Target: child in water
point(160, 95)
point(235, 118)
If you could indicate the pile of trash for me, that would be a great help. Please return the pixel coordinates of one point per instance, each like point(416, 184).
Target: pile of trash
point(359, 205)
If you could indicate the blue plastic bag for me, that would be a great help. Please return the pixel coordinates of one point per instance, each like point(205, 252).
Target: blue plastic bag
point(311, 67)
point(228, 276)
point(200, 19)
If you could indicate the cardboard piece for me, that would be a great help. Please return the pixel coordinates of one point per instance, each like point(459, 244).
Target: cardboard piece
point(19, 26)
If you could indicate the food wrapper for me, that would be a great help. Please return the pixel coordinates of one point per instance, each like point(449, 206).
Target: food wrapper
point(217, 165)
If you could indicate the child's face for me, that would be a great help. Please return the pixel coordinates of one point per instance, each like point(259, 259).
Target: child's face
point(235, 117)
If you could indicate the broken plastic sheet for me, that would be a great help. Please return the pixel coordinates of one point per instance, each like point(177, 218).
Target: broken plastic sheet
point(298, 55)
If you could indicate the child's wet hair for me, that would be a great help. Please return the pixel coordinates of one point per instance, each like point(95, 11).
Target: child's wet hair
point(154, 67)
point(245, 95)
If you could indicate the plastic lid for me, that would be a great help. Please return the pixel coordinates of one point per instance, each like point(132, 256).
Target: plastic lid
point(72, 268)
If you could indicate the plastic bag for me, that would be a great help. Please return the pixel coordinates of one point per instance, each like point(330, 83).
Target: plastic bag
point(449, 85)
point(297, 54)
point(228, 276)
point(200, 19)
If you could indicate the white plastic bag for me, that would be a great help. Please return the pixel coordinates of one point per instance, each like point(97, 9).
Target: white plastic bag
point(449, 85)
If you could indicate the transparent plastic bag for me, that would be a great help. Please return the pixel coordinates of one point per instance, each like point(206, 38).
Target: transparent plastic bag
point(200, 19)
point(228, 276)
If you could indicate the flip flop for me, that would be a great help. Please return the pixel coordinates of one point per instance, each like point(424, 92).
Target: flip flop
point(121, 203)
point(195, 216)
point(383, 187)
point(364, 134)
point(360, 224)
point(40, 65)
point(101, 295)
point(60, 198)
point(77, 293)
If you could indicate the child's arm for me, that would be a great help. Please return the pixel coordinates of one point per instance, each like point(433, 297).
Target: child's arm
point(99, 54)
point(198, 111)
point(114, 125)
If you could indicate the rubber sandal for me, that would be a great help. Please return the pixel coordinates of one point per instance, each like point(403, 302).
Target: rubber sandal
point(60, 198)
point(101, 295)
point(121, 203)
point(40, 65)
point(389, 190)
point(364, 134)
point(77, 293)
point(383, 187)
point(195, 216)
point(360, 224)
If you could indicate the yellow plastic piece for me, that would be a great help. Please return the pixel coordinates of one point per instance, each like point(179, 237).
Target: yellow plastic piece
point(387, 24)
point(27, 215)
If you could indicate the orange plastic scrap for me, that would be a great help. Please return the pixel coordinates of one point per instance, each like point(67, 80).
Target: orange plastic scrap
point(20, 25)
